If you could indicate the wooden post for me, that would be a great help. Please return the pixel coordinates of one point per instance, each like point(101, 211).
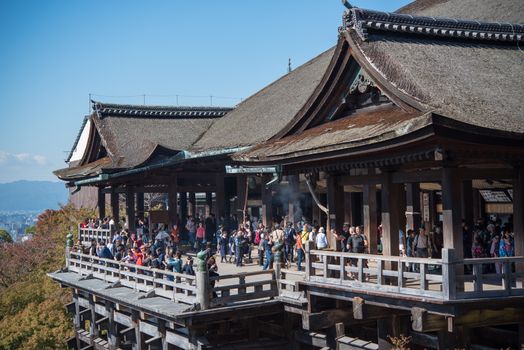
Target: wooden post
point(267, 202)
point(309, 263)
point(172, 210)
point(113, 338)
point(76, 319)
point(101, 203)
point(466, 191)
point(140, 205)
point(115, 205)
point(391, 212)
point(413, 212)
point(518, 218)
point(240, 203)
point(347, 208)
point(93, 328)
point(451, 211)
point(335, 201)
point(449, 287)
point(220, 195)
point(183, 206)
point(130, 208)
point(370, 216)
point(209, 204)
point(139, 341)
point(192, 204)
point(293, 203)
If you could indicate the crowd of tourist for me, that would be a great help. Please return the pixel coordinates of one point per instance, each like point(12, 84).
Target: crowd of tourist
point(240, 243)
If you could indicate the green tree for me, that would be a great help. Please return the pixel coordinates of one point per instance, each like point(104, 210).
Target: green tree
point(31, 230)
point(5, 237)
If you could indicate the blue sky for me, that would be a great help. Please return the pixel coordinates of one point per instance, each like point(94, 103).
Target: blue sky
point(55, 53)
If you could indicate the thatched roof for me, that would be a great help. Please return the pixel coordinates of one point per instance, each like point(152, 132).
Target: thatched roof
point(511, 11)
point(468, 71)
point(133, 135)
point(367, 126)
point(265, 113)
point(459, 73)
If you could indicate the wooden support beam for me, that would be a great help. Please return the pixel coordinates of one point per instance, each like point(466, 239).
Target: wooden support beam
point(220, 197)
point(422, 321)
point(93, 328)
point(209, 204)
point(413, 211)
point(518, 217)
point(370, 216)
point(183, 205)
point(172, 198)
point(293, 203)
point(391, 213)
point(115, 205)
point(267, 202)
point(130, 208)
point(466, 193)
point(363, 311)
point(101, 203)
point(335, 200)
point(240, 203)
point(113, 337)
point(140, 205)
point(191, 203)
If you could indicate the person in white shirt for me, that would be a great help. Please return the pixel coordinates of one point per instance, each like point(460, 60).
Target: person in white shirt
point(321, 239)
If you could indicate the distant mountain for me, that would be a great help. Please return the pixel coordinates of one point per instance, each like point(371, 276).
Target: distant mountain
point(32, 195)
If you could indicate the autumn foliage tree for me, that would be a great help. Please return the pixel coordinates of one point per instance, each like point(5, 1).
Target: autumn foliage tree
point(32, 313)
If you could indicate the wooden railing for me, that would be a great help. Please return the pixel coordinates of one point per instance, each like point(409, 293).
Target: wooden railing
point(491, 277)
point(183, 288)
point(243, 286)
point(442, 279)
point(86, 235)
point(388, 274)
point(178, 287)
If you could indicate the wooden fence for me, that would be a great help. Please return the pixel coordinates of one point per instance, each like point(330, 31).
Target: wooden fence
point(442, 279)
point(86, 235)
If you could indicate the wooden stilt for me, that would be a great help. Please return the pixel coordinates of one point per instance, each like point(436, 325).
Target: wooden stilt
point(130, 208)
point(370, 216)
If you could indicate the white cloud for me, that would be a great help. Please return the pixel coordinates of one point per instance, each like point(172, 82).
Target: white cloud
point(39, 159)
point(21, 156)
point(7, 158)
point(3, 157)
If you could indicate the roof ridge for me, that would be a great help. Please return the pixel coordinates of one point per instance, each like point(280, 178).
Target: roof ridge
point(113, 109)
point(362, 20)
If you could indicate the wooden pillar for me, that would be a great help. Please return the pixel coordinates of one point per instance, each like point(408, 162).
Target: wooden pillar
point(451, 210)
point(115, 205)
point(209, 204)
point(130, 208)
point(370, 216)
point(113, 337)
point(76, 319)
point(475, 203)
point(93, 328)
point(139, 343)
point(391, 213)
point(192, 204)
point(293, 204)
point(172, 210)
point(335, 201)
point(267, 202)
point(356, 208)
point(413, 212)
point(452, 224)
point(466, 191)
point(183, 206)
point(101, 203)
point(220, 195)
point(433, 215)
point(140, 205)
point(240, 203)
point(347, 208)
point(518, 215)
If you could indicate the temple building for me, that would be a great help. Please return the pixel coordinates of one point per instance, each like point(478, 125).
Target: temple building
point(413, 119)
